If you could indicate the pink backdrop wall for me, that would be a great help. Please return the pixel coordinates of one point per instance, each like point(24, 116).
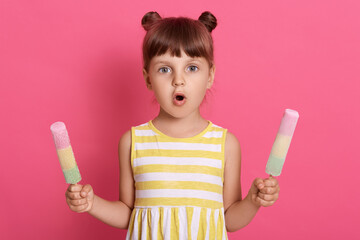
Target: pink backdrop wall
point(80, 62)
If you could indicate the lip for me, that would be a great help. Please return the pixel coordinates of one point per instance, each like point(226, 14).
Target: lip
point(179, 102)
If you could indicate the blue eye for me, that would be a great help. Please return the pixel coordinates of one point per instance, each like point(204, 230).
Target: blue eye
point(164, 70)
point(193, 68)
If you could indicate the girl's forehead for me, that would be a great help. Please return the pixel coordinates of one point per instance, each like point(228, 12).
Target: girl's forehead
point(169, 57)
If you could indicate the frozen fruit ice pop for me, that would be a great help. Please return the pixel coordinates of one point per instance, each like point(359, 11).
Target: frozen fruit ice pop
point(282, 142)
point(65, 153)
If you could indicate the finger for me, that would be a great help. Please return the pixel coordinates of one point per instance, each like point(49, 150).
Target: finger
point(271, 182)
point(84, 208)
point(259, 183)
point(268, 197)
point(270, 190)
point(85, 190)
point(79, 208)
point(78, 202)
point(264, 203)
point(74, 187)
point(73, 195)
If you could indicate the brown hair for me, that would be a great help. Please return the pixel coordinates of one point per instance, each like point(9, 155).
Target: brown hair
point(176, 34)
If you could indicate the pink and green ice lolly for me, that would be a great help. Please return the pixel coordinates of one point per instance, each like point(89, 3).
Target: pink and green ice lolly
point(65, 153)
point(282, 142)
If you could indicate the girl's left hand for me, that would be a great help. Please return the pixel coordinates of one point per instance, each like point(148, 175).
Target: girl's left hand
point(264, 192)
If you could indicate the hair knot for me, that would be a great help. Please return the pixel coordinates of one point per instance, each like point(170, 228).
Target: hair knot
point(149, 19)
point(209, 20)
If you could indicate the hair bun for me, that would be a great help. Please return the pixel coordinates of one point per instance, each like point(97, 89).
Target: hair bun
point(149, 19)
point(209, 20)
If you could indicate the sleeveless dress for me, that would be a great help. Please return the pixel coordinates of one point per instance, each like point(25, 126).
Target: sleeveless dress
point(179, 185)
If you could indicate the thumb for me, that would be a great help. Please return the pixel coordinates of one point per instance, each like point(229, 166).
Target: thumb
point(257, 185)
point(86, 190)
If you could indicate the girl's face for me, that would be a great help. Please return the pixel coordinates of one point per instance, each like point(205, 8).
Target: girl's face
point(179, 83)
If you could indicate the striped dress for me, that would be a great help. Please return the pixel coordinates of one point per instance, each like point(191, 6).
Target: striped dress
point(179, 185)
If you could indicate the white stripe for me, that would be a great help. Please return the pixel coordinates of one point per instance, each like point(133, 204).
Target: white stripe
point(224, 229)
point(136, 227)
point(128, 234)
point(144, 224)
point(167, 222)
point(216, 126)
point(216, 216)
point(213, 134)
point(183, 233)
point(178, 193)
point(178, 161)
point(195, 223)
point(154, 223)
point(197, 177)
point(142, 133)
point(178, 146)
point(208, 212)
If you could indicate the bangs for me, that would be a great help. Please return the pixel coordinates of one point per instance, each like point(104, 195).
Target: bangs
point(175, 35)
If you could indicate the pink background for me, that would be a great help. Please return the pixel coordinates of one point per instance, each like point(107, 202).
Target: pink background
point(80, 62)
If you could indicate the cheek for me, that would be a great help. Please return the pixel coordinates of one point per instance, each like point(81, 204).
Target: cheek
point(200, 92)
point(161, 92)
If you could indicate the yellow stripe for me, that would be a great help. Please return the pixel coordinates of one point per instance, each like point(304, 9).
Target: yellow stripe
point(174, 224)
point(189, 215)
point(151, 168)
point(211, 129)
point(223, 154)
point(219, 230)
point(133, 153)
point(178, 153)
point(66, 158)
point(149, 224)
point(153, 128)
point(161, 224)
point(139, 221)
point(179, 185)
point(202, 225)
point(212, 226)
point(146, 127)
point(145, 139)
point(197, 202)
point(131, 227)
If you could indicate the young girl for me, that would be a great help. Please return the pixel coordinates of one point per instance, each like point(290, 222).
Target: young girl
point(179, 173)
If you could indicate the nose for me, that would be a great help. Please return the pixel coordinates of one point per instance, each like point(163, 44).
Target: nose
point(178, 80)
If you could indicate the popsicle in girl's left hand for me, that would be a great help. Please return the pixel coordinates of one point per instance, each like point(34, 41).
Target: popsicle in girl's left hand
point(282, 142)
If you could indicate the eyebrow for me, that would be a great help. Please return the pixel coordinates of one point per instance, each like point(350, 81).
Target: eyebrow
point(161, 62)
point(169, 63)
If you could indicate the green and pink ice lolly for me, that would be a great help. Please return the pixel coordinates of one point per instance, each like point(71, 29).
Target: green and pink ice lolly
point(282, 142)
point(65, 153)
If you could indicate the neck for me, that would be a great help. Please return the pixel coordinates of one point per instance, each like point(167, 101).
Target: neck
point(188, 126)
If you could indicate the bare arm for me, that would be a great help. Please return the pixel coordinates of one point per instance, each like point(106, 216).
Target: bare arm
point(238, 212)
point(263, 192)
point(117, 213)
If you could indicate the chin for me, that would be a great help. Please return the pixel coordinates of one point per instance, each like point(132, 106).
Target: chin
point(180, 113)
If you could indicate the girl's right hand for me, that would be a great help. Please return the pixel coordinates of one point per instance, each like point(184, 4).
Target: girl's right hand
point(80, 198)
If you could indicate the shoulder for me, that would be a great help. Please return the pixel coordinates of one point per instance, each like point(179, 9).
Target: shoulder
point(125, 139)
point(231, 140)
point(232, 171)
point(124, 147)
point(232, 147)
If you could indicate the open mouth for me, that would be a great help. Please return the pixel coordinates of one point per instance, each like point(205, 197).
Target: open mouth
point(179, 99)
